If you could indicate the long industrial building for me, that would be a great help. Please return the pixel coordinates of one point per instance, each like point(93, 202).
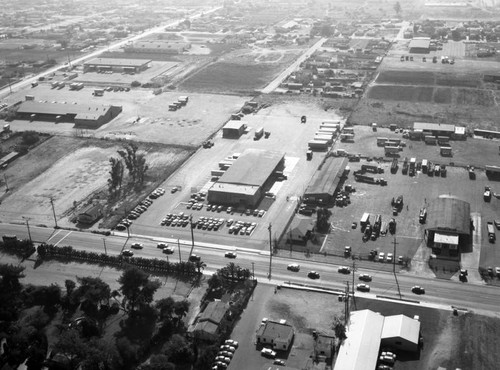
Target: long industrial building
point(326, 180)
point(243, 184)
point(158, 47)
point(90, 116)
point(116, 65)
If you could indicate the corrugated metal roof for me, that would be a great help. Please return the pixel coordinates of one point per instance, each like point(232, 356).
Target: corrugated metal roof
point(253, 167)
point(325, 181)
point(449, 213)
point(360, 350)
point(118, 62)
point(433, 126)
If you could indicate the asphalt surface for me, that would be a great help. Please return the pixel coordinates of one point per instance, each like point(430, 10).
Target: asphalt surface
point(439, 293)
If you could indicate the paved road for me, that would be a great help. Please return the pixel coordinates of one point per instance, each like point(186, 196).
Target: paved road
point(444, 293)
point(278, 80)
point(26, 82)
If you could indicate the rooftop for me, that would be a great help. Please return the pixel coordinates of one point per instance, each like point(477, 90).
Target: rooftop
point(118, 62)
point(420, 43)
point(448, 213)
point(252, 168)
point(433, 126)
point(401, 326)
point(62, 109)
point(275, 330)
point(326, 179)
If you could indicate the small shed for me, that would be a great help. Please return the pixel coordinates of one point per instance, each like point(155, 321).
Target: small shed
point(401, 332)
point(233, 129)
point(90, 214)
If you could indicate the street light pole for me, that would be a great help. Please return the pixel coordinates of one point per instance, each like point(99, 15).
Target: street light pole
point(104, 241)
point(192, 234)
point(394, 268)
point(27, 219)
point(53, 211)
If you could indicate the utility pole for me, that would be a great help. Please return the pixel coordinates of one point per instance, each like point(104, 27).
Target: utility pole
point(53, 210)
point(346, 302)
point(192, 234)
point(104, 241)
point(253, 270)
point(394, 268)
point(270, 251)
point(179, 248)
point(27, 219)
point(6, 184)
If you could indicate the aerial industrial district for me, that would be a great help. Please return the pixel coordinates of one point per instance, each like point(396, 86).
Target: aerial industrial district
point(250, 185)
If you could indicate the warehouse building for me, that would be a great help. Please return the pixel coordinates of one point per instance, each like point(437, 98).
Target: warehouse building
point(368, 331)
point(243, 184)
point(448, 224)
point(233, 129)
point(324, 183)
point(434, 129)
point(116, 65)
point(90, 116)
point(158, 47)
point(420, 45)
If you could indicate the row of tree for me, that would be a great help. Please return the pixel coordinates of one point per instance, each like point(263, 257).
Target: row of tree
point(187, 268)
point(134, 162)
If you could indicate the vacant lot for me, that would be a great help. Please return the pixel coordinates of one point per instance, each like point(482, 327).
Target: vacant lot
point(70, 170)
point(406, 77)
point(403, 93)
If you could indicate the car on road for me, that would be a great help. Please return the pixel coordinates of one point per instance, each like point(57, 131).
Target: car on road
point(267, 352)
point(344, 270)
point(174, 189)
point(279, 362)
point(127, 253)
point(365, 277)
point(168, 250)
point(293, 267)
point(137, 246)
point(418, 289)
point(161, 245)
point(230, 255)
point(313, 275)
point(363, 287)
point(194, 258)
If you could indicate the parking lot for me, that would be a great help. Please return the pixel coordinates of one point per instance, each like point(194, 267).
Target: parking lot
point(417, 191)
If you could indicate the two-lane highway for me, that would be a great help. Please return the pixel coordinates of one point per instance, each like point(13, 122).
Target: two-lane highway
point(442, 292)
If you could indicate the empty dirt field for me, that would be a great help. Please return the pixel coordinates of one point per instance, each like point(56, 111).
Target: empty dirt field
point(71, 170)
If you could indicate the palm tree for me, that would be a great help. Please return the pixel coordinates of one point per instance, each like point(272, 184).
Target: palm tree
point(200, 265)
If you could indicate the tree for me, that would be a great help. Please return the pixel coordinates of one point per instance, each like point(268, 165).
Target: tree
point(200, 266)
point(178, 350)
point(30, 137)
point(397, 8)
point(322, 216)
point(339, 329)
point(116, 174)
point(158, 362)
point(137, 289)
point(134, 162)
point(10, 276)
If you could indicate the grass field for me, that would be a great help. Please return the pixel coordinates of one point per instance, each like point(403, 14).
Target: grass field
point(403, 93)
point(406, 77)
point(230, 78)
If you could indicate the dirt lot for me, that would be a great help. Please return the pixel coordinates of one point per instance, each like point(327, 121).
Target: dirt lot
point(70, 170)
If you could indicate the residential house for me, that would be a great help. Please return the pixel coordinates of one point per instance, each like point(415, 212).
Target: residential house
point(278, 334)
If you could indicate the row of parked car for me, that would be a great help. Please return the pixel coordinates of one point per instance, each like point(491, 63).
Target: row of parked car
point(139, 209)
point(225, 354)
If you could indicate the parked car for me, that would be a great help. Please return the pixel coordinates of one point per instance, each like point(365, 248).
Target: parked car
point(365, 277)
point(267, 352)
point(232, 343)
point(390, 257)
point(227, 347)
point(418, 290)
point(381, 257)
point(174, 189)
point(363, 287)
point(279, 362)
point(313, 275)
point(293, 267)
point(230, 255)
